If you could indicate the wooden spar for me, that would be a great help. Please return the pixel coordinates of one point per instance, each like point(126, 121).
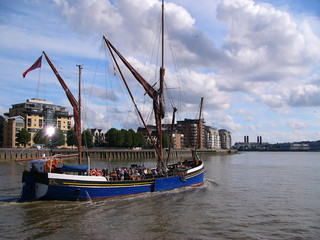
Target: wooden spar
point(74, 103)
point(58, 156)
point(70, 96)
point(133, 100)
point(198, 131)
point(79, 110)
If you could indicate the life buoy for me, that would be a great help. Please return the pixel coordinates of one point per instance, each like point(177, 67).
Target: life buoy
point(53, 167)
point(93, 172)
point(99, 173)
point(47, 167)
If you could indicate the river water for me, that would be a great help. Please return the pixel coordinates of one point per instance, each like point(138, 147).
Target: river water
point(250, 195)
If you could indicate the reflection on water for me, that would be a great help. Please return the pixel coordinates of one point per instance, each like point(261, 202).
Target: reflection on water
point(245, 196)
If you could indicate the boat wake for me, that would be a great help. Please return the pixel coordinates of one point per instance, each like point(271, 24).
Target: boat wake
point(8, 201)
point(209, 181)
point(89, 198)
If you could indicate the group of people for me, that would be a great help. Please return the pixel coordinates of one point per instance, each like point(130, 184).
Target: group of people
point(140, 172)
point(135, 172)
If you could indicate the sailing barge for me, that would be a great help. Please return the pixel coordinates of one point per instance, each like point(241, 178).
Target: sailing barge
point(49, 178)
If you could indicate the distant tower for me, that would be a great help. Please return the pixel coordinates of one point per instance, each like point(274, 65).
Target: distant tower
point(259, 139)
point(246, 139)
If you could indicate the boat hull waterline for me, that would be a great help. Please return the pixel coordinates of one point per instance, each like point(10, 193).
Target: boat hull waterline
point(64, 187)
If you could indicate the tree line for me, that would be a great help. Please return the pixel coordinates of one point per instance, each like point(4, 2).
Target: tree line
point(113, 138)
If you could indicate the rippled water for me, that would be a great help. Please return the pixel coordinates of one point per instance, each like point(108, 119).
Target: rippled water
point(245, 196)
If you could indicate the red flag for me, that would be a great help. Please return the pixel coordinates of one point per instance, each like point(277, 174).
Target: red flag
point(37, 64)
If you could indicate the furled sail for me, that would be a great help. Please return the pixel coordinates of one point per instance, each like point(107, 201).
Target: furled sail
point(158, 112)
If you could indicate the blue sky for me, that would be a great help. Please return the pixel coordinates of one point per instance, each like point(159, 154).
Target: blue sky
point(255, 62)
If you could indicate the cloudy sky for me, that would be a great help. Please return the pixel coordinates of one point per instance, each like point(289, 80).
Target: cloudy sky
point(256, 63)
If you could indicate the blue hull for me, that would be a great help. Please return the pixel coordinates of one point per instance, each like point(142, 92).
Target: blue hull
point(63, 187)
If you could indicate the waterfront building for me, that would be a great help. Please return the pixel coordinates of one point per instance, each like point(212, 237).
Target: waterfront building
point(247, 145)
point(34, 114)
point(185, 135)
point(11, 126)
point(296, 146)
point(2, 122)
point(177, 138)
point(212, 138)
point(145, 134)
point(225, 139)
point(98, 136)
point(189, 128)
point(178, 141)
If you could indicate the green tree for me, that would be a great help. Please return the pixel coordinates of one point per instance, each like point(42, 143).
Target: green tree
point(23, 137)
point(40, 137)
point(129, 138)
point(120, 142)
point(111, 137)
point(87, 138)
point(139, 140)
point(165, 140)
point(57, 139)
point(71, 138)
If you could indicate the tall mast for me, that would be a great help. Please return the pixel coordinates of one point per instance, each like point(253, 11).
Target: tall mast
point(198, 132)
point(162, 72)
point(79, 110)
point(151, 92)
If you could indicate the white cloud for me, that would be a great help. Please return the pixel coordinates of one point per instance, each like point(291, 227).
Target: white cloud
point(224, 120)
point(90, 16)
point(266, 41)
point(265, 46)
point(305, 95)
point(296, 124)
point(274, 101)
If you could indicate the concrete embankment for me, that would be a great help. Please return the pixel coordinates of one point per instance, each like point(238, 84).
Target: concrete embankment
point(217, 151)
point(20, 153)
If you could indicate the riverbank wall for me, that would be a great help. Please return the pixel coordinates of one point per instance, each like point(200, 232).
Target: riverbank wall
point(108, 154)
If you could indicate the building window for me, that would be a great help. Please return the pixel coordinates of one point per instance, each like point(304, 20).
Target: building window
point(69, 124)
point(40, 123)
point(19, 123)
point(29, 122)
point(59, 124)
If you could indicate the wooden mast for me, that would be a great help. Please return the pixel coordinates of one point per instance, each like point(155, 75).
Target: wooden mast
point(162, 72)
point(157, 96)
point(109, 45)
point(79, 110)
point(198, 132)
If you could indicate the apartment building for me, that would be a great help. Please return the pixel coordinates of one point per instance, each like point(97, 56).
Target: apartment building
point(212, 138)
point(34, 114)
point(225, 139)
point(189, 128)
